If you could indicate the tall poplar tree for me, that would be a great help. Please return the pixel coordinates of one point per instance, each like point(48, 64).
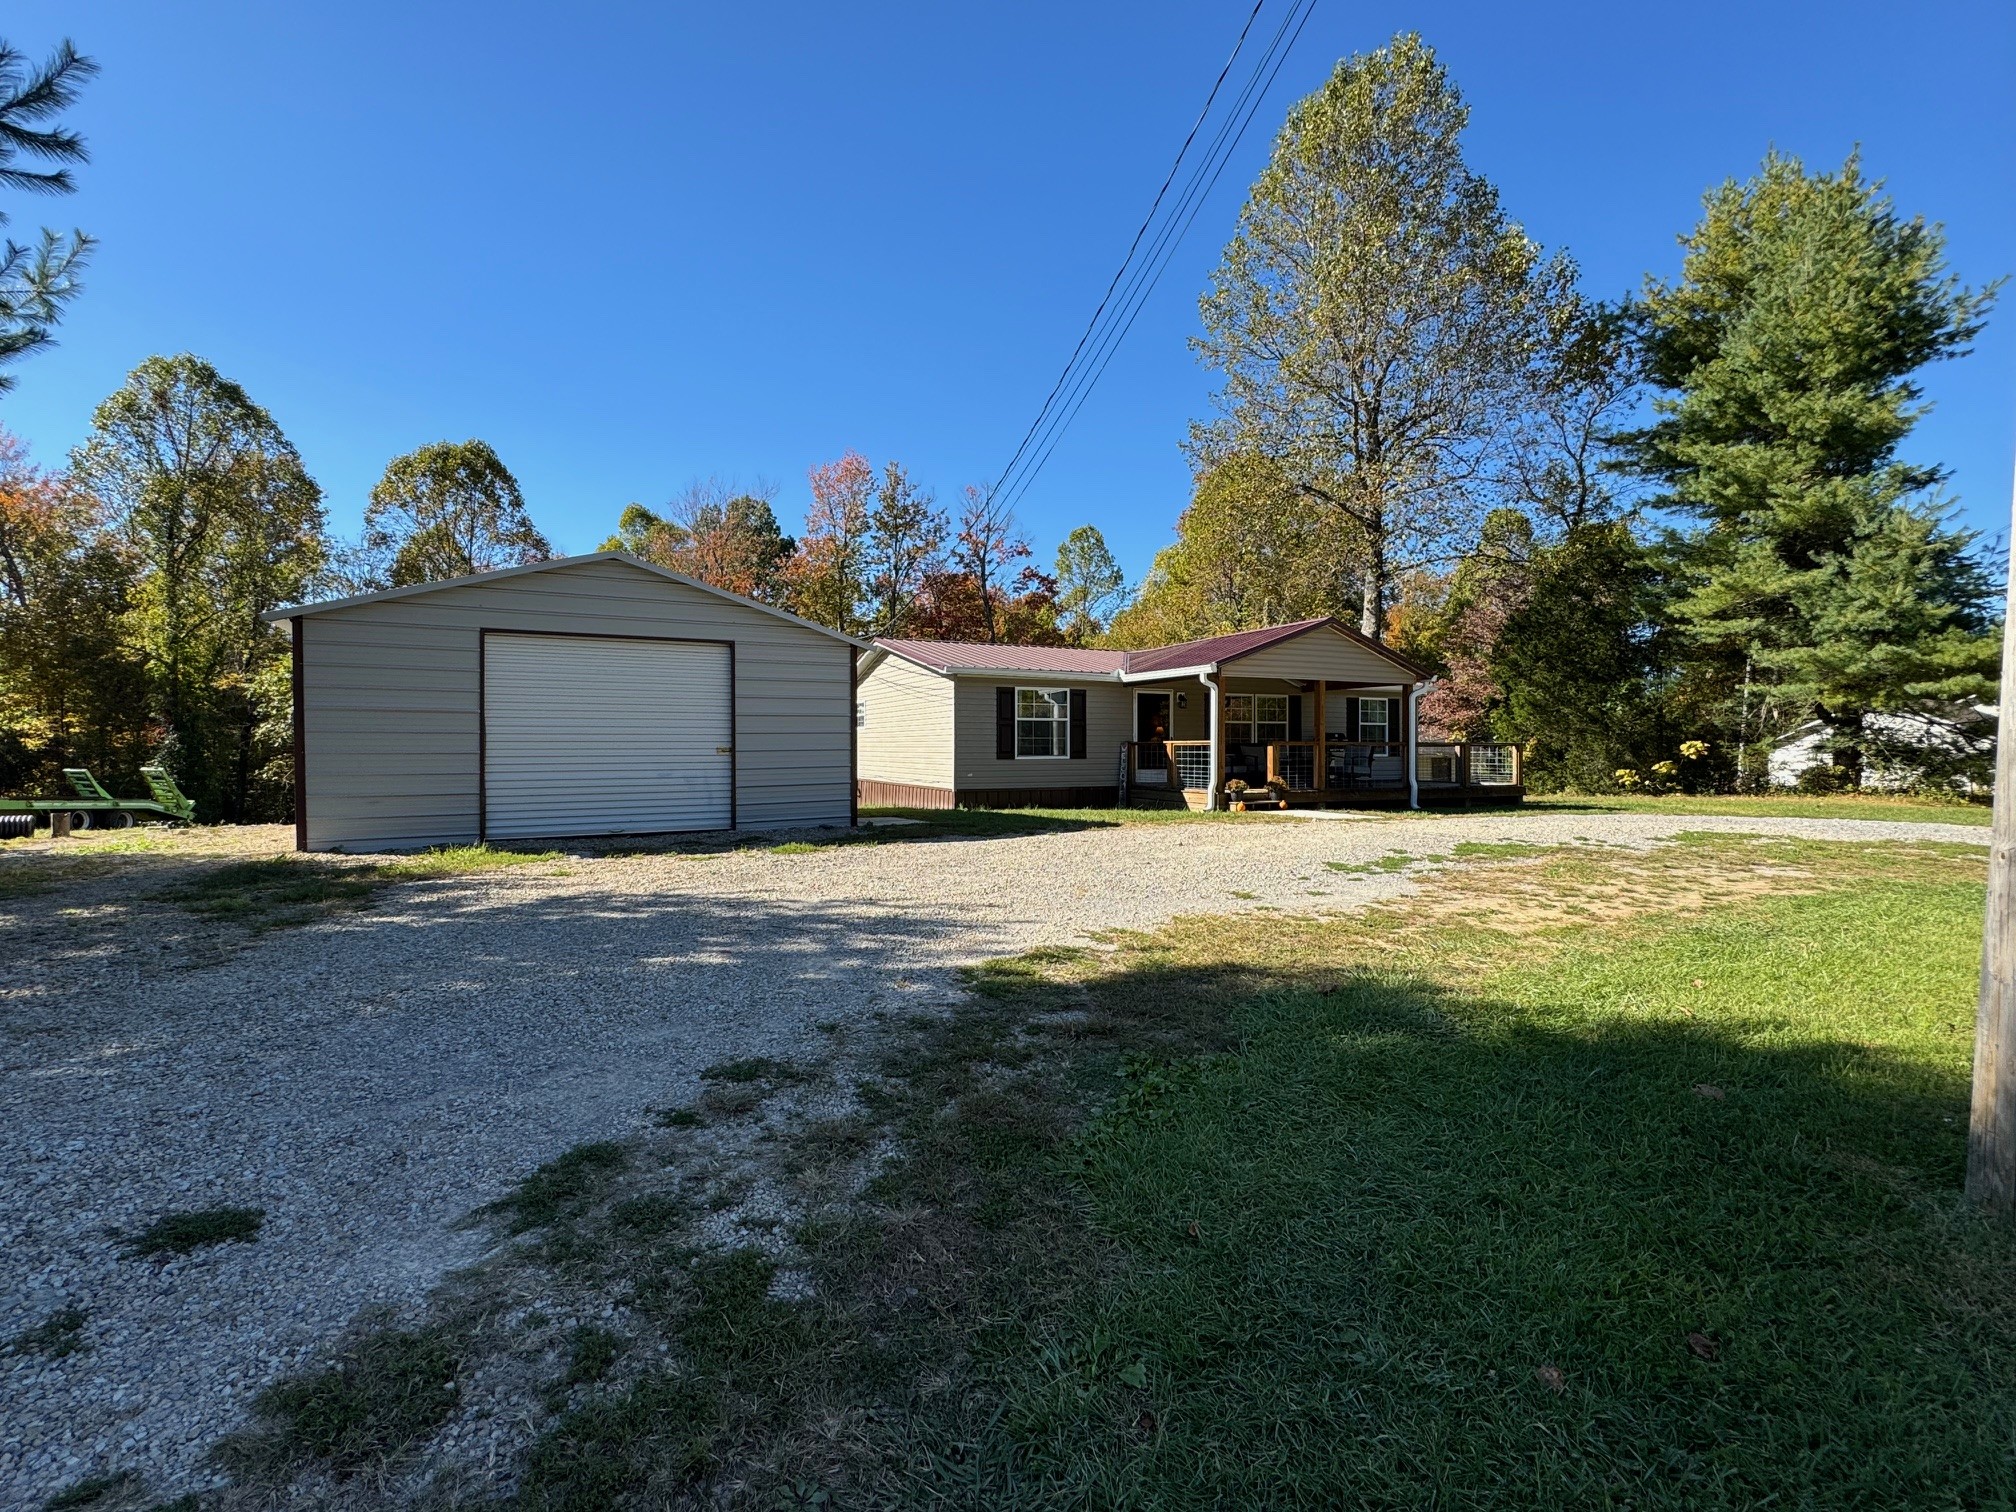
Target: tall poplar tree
point(1820, 576)
point(1379, 321)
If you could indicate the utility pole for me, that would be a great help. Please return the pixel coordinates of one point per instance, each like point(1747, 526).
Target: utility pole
point(1991, 1129)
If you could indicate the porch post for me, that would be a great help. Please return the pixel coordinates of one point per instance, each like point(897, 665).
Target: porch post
point(1322, 739)
point(1412, 747)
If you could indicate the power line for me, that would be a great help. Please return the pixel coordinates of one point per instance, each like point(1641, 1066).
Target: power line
point(1103, 334)
point(1149, 274)
point(1092, 325)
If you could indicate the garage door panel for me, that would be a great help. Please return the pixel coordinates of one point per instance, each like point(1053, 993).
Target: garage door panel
point(587, 735)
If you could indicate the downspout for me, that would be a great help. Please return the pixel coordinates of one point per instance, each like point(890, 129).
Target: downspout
point(1413, 744)
point(1204, 677)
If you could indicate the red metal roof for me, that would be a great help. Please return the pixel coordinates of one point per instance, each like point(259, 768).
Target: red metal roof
point(973, 656)
point(977, 656)
point(1216, 648)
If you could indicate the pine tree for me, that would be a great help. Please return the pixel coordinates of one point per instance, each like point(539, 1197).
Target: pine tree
point(1820, 570)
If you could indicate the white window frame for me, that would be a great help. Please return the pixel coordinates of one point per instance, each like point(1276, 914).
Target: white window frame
point(1385, 726)
point(1265, 701)
point(1059, 722)
point(1252, 724)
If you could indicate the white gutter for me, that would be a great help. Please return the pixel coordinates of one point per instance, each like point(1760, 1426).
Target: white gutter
point(1167, 673)
point(1204, 675)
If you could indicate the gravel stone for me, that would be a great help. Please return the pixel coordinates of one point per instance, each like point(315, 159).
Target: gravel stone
point(371, 1079)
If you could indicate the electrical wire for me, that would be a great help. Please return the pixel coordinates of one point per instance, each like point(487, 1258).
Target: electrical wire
point(1103, 335)
point(1149, 275)
point(1147, 221)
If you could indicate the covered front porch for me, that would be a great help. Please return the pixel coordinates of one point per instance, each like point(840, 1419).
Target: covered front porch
point(1300, 742)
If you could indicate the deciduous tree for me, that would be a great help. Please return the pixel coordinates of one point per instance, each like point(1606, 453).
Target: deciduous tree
point(986, 550)
point(906, 537)
point(1090, 585)
point(1378, 321)
point(72, 693)
point(826, 577)
point(1249, 551)
point(223, 523)
point(447, 510)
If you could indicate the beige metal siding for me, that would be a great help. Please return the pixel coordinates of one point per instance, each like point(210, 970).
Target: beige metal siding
point(1321, 653)
point(906, 730)
point(391, 700)
point(1109, 720)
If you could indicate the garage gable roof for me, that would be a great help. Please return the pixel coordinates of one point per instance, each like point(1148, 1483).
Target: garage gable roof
point(551, 564)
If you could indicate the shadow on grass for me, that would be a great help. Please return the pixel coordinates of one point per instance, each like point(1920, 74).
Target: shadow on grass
point(1170, 1232)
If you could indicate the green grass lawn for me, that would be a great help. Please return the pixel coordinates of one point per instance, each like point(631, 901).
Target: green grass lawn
point(1597, 1208)
point(1777, 805)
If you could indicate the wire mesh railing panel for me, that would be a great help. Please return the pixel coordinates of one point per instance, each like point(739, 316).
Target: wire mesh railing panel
point(1193, 764)
point(1491, 766)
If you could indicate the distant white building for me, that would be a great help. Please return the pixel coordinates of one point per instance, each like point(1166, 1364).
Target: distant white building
point(1898, 750)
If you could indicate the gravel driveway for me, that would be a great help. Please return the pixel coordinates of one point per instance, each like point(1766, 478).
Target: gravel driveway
point(369, 1080)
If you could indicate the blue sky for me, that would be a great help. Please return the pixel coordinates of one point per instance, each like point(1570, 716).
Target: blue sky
point(633, 245)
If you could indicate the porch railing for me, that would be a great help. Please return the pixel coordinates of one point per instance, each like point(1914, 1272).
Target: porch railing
point(1457, 764)
point(1337, 766)
point(1190, 761)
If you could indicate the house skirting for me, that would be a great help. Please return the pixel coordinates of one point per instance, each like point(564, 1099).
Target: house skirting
point(875, 794)
point(912, 795)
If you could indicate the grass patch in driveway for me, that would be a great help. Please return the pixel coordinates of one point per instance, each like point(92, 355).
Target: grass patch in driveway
point(23, 879)
point(179, 1233)
point(755, 1068)
point(56, 1337)
point(280, 893)
point(381, 1397)
point(1392, 861)
point(285, 892)
point(458, 861)
point(564, 1187)
point(94, 1491)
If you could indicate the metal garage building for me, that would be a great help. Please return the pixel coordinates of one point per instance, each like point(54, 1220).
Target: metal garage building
point(590, 695)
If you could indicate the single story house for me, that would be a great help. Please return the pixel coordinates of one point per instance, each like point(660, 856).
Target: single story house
point(1324, 711)
point(588, 695)
point(1953, 748)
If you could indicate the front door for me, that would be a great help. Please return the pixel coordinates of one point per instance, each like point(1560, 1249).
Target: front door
point(1151, 728)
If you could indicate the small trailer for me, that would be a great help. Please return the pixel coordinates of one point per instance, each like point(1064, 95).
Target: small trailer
point(93, 807)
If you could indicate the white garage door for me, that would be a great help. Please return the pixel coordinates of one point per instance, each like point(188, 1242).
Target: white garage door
point(584, 735)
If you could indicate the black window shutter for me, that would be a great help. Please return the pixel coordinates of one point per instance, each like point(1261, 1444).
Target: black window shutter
point(1294, 716)
point(1350, 719)
point(1077, 724)
point(1393, 731)
point(1004, 723)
